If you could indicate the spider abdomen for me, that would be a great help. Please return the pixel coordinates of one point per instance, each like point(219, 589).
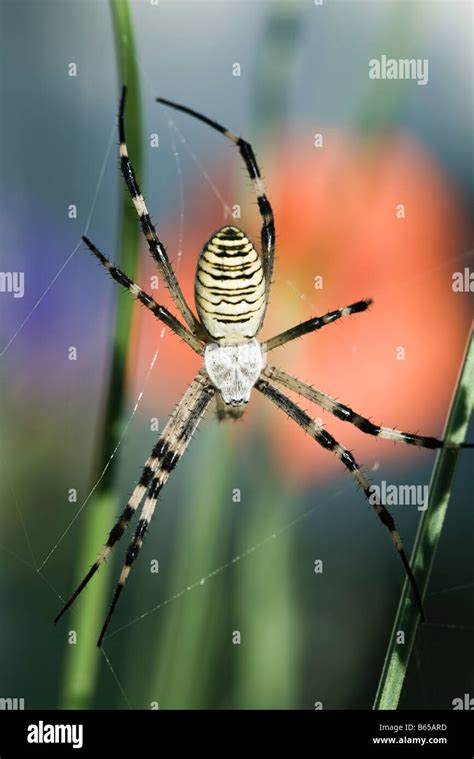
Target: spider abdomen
point(230, 286)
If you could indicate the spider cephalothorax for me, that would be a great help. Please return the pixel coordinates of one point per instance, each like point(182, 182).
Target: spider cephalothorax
point(234, 369)
point(231, 289)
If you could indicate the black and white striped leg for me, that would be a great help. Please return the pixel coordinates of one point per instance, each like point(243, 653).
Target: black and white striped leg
point(327, 441)
point(174, 450)
point(345, 413)
point(160, 312)
point(156, 247)
point(315, 323)
point(161, 458)
point(248, 155)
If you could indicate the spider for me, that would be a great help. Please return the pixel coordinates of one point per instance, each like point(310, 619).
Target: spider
point(232, 286)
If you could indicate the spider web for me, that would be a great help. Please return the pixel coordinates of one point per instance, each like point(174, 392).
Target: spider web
point(178, 142)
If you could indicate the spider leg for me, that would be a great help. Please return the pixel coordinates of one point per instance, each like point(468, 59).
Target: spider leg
point(266, 212)
point(162, 460)
point(192, 416)
point(315, 323)
point(155, 246)
point(345, 413)
point(160, 312)
point(327, 441)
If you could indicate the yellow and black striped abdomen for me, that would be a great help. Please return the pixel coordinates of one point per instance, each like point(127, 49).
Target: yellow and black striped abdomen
point(230, 286)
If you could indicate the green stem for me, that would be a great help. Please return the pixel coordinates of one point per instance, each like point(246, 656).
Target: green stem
point(427, 539)
point(275, 68)
point(188, 636)
point(82, 659)
point(381, 105)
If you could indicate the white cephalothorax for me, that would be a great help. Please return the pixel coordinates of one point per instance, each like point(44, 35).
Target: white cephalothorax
point(234, 369)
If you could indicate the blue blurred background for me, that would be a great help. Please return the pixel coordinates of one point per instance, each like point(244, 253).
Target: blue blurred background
point(231, 565)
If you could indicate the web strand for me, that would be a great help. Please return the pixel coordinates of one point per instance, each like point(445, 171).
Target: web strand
point(235, 560)
point(109, 461)
point(73, 252)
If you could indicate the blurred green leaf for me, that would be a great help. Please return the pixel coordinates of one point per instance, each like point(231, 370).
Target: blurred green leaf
point(82, 659)
point(427, 539)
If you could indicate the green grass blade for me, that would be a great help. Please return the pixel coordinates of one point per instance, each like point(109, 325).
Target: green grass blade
point(427, 539)
point(82, 659)
point(188, 634)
